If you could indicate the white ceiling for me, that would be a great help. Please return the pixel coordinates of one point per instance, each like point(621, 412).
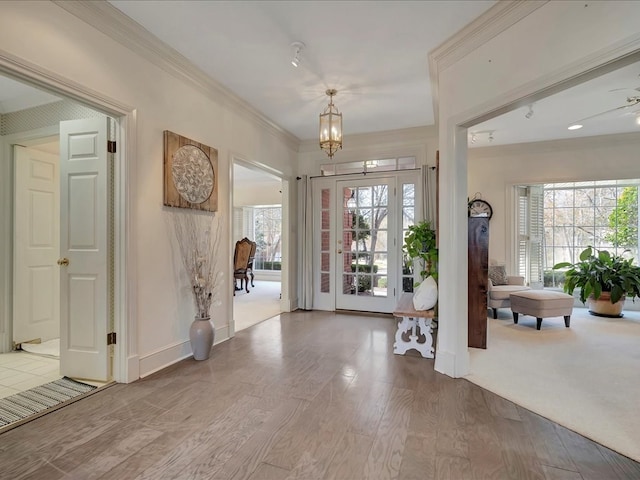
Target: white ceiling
point(373, 52)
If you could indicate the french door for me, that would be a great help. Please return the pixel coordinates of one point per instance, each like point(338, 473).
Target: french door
point(358, 233)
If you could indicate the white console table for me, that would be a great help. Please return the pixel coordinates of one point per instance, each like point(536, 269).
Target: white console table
point(417, 322)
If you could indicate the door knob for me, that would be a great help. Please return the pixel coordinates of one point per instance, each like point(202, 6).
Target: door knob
point(63, 261)
point(339, 251)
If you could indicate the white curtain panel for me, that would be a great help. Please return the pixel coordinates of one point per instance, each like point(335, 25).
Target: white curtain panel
point(428, 178)
point(306, 243)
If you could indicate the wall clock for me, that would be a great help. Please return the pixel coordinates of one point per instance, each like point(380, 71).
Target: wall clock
point(480, 208)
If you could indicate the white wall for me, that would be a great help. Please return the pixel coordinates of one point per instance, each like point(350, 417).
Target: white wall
point(267, 192)
point(498, 62)
point(494, 170)
point(44, 34)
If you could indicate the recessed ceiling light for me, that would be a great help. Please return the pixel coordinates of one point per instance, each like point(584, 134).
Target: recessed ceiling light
point(575, 127)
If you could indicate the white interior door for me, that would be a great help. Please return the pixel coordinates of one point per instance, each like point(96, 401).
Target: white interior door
point(366, 244)
point(84, 306)
point(36, 294)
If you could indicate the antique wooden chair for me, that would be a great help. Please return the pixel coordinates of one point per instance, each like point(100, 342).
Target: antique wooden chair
point(252, 256)
point(243, 263)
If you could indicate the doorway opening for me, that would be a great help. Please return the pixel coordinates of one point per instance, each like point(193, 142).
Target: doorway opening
point(58, 225)
point(260, 215)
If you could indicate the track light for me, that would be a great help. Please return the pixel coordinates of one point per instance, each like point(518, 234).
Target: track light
point(529, 114)
point(478, 136)
point(297, 50)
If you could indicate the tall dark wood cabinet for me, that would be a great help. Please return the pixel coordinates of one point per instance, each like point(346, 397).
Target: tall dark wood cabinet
point(478, 253)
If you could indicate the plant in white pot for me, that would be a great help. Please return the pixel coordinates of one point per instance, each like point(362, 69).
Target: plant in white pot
point(198, 237)
point(604, 280)
point(420, 244)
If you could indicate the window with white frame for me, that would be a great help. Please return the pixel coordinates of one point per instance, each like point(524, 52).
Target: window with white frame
point(267, 233)
point(557, 221)
point(369, 166)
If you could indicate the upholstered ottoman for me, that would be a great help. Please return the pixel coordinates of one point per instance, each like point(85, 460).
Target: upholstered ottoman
point(542, 304)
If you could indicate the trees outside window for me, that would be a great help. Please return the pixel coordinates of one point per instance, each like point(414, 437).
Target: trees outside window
point(268, 232)
point(603, 214)
point(623, 221)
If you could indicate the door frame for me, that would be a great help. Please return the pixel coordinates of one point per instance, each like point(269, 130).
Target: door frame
point(387, 303)
point(125, 368)
point(286, 302)
point(327, 301)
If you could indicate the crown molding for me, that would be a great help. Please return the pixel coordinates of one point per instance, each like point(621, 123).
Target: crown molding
point(494, 21)
point(555, 146)
point(107, 19)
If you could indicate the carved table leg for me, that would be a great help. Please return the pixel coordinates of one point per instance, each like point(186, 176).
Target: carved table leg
point(425, 348)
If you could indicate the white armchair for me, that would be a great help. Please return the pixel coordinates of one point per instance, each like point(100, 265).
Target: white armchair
point(498, 295)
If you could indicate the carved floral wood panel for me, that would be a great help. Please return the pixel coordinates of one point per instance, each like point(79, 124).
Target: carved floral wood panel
point(190, 173)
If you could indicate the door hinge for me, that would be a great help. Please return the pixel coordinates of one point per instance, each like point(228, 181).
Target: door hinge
point(111, 338)
point(394, 292)
point(111, 146)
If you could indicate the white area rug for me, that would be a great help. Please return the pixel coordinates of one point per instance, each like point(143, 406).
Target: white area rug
point(586, 377)
point(50, 348)
point(262, 302)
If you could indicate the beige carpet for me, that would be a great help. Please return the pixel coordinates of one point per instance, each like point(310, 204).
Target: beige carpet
point(586, 377)
point(262, 302)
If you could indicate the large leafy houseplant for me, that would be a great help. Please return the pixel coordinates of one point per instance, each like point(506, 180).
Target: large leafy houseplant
point(420, 243)
point(600, 271)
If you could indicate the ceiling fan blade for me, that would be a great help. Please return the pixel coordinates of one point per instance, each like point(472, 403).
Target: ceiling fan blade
point(637, 89)
point(635, 102)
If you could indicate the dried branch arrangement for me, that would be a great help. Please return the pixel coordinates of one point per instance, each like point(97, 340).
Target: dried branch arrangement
point(198, 236)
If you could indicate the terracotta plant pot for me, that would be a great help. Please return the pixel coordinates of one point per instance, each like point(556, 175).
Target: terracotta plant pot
point(603, 307)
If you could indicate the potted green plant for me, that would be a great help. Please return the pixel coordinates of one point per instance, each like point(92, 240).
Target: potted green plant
point(420, 243)
point(604, 280)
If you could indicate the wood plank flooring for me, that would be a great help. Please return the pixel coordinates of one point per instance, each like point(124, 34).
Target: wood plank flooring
point(308, 395)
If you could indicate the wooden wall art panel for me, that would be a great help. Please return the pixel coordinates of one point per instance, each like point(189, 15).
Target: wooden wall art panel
point(190, 173)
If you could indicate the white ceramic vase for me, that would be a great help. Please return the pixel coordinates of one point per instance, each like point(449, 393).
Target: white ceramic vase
point(201, 335)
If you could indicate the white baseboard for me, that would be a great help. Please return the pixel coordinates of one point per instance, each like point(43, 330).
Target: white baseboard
point(288, 305)
point(445, 363)
point(133, 369)
point(162, 358)
point(222, 334)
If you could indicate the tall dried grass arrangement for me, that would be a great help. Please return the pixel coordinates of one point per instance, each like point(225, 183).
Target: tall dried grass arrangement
point(198, 236)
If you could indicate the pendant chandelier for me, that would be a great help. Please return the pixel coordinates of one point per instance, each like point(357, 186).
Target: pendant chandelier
point(331, 127)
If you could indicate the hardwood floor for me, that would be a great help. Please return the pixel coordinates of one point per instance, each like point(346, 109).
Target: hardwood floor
point(308, 395)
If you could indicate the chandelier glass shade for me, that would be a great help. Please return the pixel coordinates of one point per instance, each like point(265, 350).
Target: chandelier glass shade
point(331, 127)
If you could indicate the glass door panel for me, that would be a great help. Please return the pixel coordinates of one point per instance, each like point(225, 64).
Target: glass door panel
point(367, 254)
